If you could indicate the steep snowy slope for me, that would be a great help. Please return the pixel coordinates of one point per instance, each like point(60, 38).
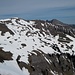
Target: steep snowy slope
point(25, 44)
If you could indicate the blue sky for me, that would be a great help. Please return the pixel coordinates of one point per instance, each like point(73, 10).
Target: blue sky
point(63, 10)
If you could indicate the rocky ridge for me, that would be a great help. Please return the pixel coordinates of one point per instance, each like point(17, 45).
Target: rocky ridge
point(36, 47)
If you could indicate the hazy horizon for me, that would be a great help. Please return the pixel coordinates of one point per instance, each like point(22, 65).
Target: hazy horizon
point(62, 10)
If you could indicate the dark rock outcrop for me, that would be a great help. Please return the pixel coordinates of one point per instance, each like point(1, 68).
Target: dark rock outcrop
point(5, 55)
point(4, 29)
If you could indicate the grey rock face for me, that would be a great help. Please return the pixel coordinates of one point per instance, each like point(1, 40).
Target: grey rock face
point(49, 64)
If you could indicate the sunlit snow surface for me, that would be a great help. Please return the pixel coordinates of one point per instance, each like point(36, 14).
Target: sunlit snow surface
point(32, 41)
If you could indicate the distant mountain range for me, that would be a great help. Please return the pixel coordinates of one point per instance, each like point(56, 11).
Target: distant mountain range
point(36, 47)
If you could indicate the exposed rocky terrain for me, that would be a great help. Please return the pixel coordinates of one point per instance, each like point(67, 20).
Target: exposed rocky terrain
point(36, 47)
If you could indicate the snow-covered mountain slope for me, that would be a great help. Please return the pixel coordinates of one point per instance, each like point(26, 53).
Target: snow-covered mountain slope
point(27, 45)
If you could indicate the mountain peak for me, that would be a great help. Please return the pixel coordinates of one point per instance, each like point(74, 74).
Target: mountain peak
point(57, 22)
